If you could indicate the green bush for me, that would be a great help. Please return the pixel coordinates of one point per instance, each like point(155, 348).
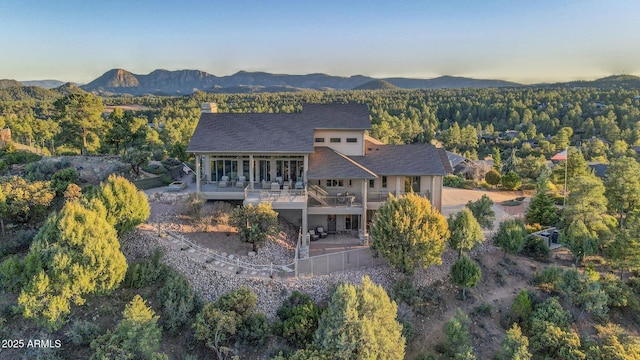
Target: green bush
point(145, 273)
point(155, 169)
point(83, 332)
point(178, 302)
point(20, 157)
point(403, 291)
point(536, 249)
point(452, 181)
point(11, 274)
point(17, 242)
point(549, 279)
point(62, 179)
point(297, 319)
point(255, 330)
point(43, 169)
point(620, 294)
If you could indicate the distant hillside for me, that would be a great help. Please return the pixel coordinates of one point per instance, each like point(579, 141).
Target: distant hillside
point(23, 93)
point(45, 84)
point(448, 82)
point(609, 82)
point(7, 83)
point(164, 82)
point(68, 88)
point(376, 85)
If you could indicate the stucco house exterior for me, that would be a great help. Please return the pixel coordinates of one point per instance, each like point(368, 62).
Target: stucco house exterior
point(318, 167)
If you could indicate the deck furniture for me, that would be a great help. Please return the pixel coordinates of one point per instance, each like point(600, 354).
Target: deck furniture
point(321, 232)
point(224, 181)
point(313, 235)
point(241, 181)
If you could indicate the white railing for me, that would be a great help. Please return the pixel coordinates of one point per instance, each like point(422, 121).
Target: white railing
point(267, 195)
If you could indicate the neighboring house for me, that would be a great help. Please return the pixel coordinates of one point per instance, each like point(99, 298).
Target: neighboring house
point(317, 167)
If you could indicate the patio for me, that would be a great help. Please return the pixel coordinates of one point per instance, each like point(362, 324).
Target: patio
point(335, 243)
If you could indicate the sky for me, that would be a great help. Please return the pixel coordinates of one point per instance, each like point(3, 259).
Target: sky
point(524, 41)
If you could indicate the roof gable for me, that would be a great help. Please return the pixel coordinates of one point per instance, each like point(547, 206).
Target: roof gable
point(411, 159)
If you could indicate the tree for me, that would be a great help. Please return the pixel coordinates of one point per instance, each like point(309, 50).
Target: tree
point(360, 323)
point(255, 223)
point(521, 307)
point(61, 180)
point(178, 300)
point(458, 337)
point(24, 199)
point(511, 236)
point(137, 335)
point(126, 206)
point(409, 232)
point(497, 160)
point(542, 209)
point(622, 185)
point(624, 250)
point(586, 202)
point(580, 240)
point(233, 314)
point(482, 210)
point(465, 273)
point(493, 177)
point(532, 167)
point(137, 158)
point(465, 232)
point(550, 333)
point(298, 319)
point(514, 346)
point(80, 115)
point(76, 252)
point(511, 181)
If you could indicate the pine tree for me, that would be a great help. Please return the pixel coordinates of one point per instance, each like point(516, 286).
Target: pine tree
point(466, 233)
point(409, 232)
point(255, 223)
point(126, 206)
point(514, 346)
point(360, 323)
point(76, 252)
point(465, 273)
point(137, 335)
point(623, 186)
point(542, 209)
point(482, 210)
point(511, 236)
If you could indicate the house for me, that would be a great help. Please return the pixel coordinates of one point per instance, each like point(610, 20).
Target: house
point(317, 167)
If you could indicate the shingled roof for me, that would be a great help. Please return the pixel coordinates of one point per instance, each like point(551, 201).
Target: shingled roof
point(412, 160)
point(274, 133)
point(325, 163)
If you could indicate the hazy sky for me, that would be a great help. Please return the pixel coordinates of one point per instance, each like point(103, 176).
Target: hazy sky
point(519, 40)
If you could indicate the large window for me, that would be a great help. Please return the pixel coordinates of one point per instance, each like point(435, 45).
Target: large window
point(351, 222)
point(335, 182)
point(224, 167)
point(384, 182)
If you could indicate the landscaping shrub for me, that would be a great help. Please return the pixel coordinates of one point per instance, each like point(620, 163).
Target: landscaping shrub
point(20, 157)
point(255, 330)
point(156, 169)
point(178, 302)
point(403, 291)
point(549, 279)
point(298, 319)
point(145, 273)
point(61, 180)
point(452, 181)
point(536, 249)
point(82, 332)
point(17, 242)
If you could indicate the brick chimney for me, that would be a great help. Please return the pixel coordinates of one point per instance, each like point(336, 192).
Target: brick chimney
point(208, 108)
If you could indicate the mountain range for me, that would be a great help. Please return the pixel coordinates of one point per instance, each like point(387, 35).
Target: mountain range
point(164, 82)
point(184, 82)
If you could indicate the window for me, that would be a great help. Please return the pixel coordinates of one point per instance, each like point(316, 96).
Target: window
point(335, 182)
point(352, 140)
point(319, 140)
point(372, 183)
point(335, 140)
point(384, 182)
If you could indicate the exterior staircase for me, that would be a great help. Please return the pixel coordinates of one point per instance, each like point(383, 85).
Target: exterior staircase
point(319, 194)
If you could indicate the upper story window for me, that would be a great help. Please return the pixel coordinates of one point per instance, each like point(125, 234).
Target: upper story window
point(319, 140)
point(335, 182)
point(384, 182)
point(335, 140)
point(352, 140)
point(372, 183)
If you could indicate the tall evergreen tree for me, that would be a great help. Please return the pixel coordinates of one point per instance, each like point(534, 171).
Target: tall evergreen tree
point(360, 323)
point(622, 185)
point(465, 273)
point(76, 252)
point(482, 210)
point(80, 115)
point(466, 233)
point(409, 232)
point(126, 206)
point(542, 209)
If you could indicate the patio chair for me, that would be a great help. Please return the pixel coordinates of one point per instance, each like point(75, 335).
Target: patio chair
point(224, 181)
point(313, 235)
point(299, 184)
point(321, 232)
point(275, 186)
point(241, 181)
